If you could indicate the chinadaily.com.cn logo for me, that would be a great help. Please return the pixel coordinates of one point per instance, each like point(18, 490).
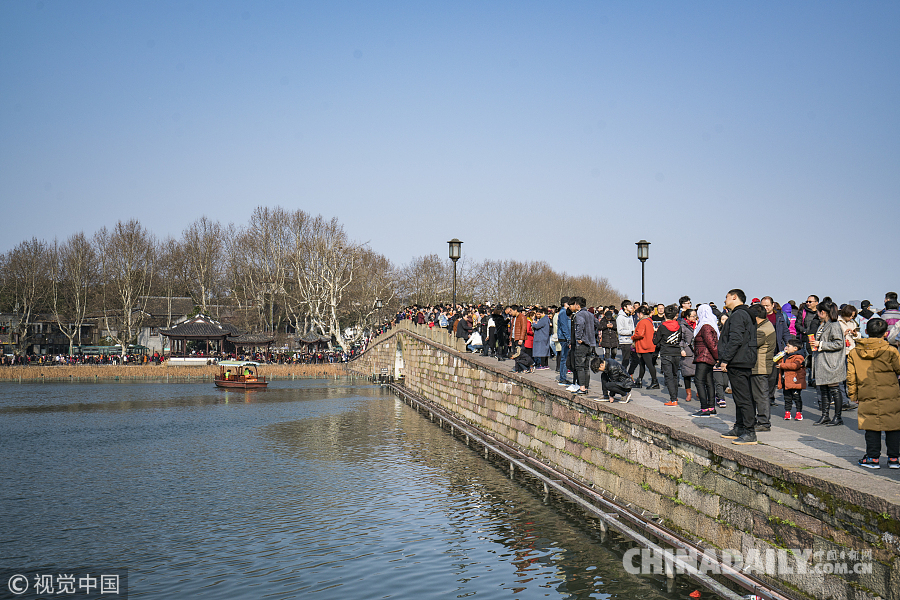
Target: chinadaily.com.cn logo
point(646, 561)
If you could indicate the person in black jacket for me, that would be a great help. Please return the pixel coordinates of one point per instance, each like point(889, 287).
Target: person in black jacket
point(667, 339)
point(613, 378)
point(807, 324)
point(737, 356)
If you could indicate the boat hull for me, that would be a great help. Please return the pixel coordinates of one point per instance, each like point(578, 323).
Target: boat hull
point(242, 385)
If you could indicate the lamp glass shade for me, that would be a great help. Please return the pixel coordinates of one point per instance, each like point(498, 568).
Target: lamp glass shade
point(643, 249)
point(378, 303)
point(454, 248)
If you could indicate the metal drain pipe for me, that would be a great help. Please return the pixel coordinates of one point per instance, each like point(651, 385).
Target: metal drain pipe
point(568, 488)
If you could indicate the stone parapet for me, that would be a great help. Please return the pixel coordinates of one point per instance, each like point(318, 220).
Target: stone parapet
point(714, 493)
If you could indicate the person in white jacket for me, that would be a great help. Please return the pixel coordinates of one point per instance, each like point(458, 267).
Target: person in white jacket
point(625, 327)
point(474, 343)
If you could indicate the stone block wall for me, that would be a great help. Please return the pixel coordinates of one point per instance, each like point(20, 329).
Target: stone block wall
point(709, 492)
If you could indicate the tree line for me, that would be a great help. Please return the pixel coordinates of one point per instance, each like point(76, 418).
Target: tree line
point(281, 269)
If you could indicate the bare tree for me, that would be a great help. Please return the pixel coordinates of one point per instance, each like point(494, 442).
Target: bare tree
point(126, 260)
point(27, 276)
point(426, 279)
point(73, 276)
point(172, 276)
point(202, 248)
point(325, 272)
point(376, 279)
point(264, 245)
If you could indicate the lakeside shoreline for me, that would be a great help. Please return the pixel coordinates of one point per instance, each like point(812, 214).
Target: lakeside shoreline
point(35, 373)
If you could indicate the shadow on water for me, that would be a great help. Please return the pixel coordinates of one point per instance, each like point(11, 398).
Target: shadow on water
point(439, 498)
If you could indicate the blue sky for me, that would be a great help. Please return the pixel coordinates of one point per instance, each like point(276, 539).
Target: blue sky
point(755, 145)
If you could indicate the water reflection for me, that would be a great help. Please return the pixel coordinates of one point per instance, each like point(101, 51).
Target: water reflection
point(309, 487)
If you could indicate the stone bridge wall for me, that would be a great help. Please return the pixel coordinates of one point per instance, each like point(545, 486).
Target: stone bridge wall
point(709, 492)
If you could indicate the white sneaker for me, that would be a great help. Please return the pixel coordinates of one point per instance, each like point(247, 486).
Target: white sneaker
point(573, 388)
point(627, 398)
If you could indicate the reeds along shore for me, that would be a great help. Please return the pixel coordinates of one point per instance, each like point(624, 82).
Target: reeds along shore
point(125, 372)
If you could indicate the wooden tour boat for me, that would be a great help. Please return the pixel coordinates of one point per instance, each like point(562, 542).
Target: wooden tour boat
point(240, 374)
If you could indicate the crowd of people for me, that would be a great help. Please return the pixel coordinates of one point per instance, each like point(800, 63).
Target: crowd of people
point(280, 358)
point(847, 354)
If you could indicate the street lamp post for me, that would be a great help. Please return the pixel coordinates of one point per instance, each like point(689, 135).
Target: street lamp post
point(643, 249)
point(454, 256)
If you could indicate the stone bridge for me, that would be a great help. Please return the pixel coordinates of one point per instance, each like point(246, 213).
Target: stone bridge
point(772, 498)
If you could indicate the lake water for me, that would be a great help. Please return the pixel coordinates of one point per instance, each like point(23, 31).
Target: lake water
point(313, 488)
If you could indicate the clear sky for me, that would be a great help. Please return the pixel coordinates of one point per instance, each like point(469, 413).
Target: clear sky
point(754, 144)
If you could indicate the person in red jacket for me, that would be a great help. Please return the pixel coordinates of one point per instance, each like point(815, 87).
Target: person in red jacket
point(793, 365)
point(644, 348)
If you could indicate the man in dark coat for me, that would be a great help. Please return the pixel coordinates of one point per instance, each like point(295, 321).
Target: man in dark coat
point(807, 324)
point(737, 356)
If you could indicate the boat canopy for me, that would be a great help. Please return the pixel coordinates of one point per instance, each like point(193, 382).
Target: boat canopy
point(238, 363)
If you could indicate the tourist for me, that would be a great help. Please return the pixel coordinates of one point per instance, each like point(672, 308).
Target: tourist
point(668, 339)
point(541, 339)
point(624, 329)
point(872, 370)
point(790, 318)
point(613, 379)
point(793, 370)
point(828, 363)
point(759, 378)
point(563, 335)
point(644, 349)
point(888, 297)
point(720, 376)
point(865, 313)
point(782, 334)
point(474, 343)
point(586, 325)
point(609, 335)
point(501, 322)
point(891, 316)
point(688, 368)
point(706, 354)
point(850, 329)
point(737, 356)
point(518, 327)
point(807, 324)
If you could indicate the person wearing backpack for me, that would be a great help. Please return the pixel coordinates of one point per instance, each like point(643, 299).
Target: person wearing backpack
point(668, 339)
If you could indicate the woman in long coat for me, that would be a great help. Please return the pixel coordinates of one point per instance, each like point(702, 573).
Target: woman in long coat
point(541, 348)
point(829, 366)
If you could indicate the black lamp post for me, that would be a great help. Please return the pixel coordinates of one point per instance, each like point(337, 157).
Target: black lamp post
point(454, 256)
point(643, 255)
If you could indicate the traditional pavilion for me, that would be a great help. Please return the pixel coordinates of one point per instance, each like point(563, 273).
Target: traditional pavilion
point(252, 340)
point(311, 342)
point(199, 328)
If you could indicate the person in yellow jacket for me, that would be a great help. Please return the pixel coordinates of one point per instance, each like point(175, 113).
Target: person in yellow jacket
point(873, 367)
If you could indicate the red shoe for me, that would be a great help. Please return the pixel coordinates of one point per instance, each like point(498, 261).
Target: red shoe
point(787, 416)
point(671, 403)
point(799, 417)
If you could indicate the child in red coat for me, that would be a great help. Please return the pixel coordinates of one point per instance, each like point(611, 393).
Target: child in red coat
point(793, 368)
